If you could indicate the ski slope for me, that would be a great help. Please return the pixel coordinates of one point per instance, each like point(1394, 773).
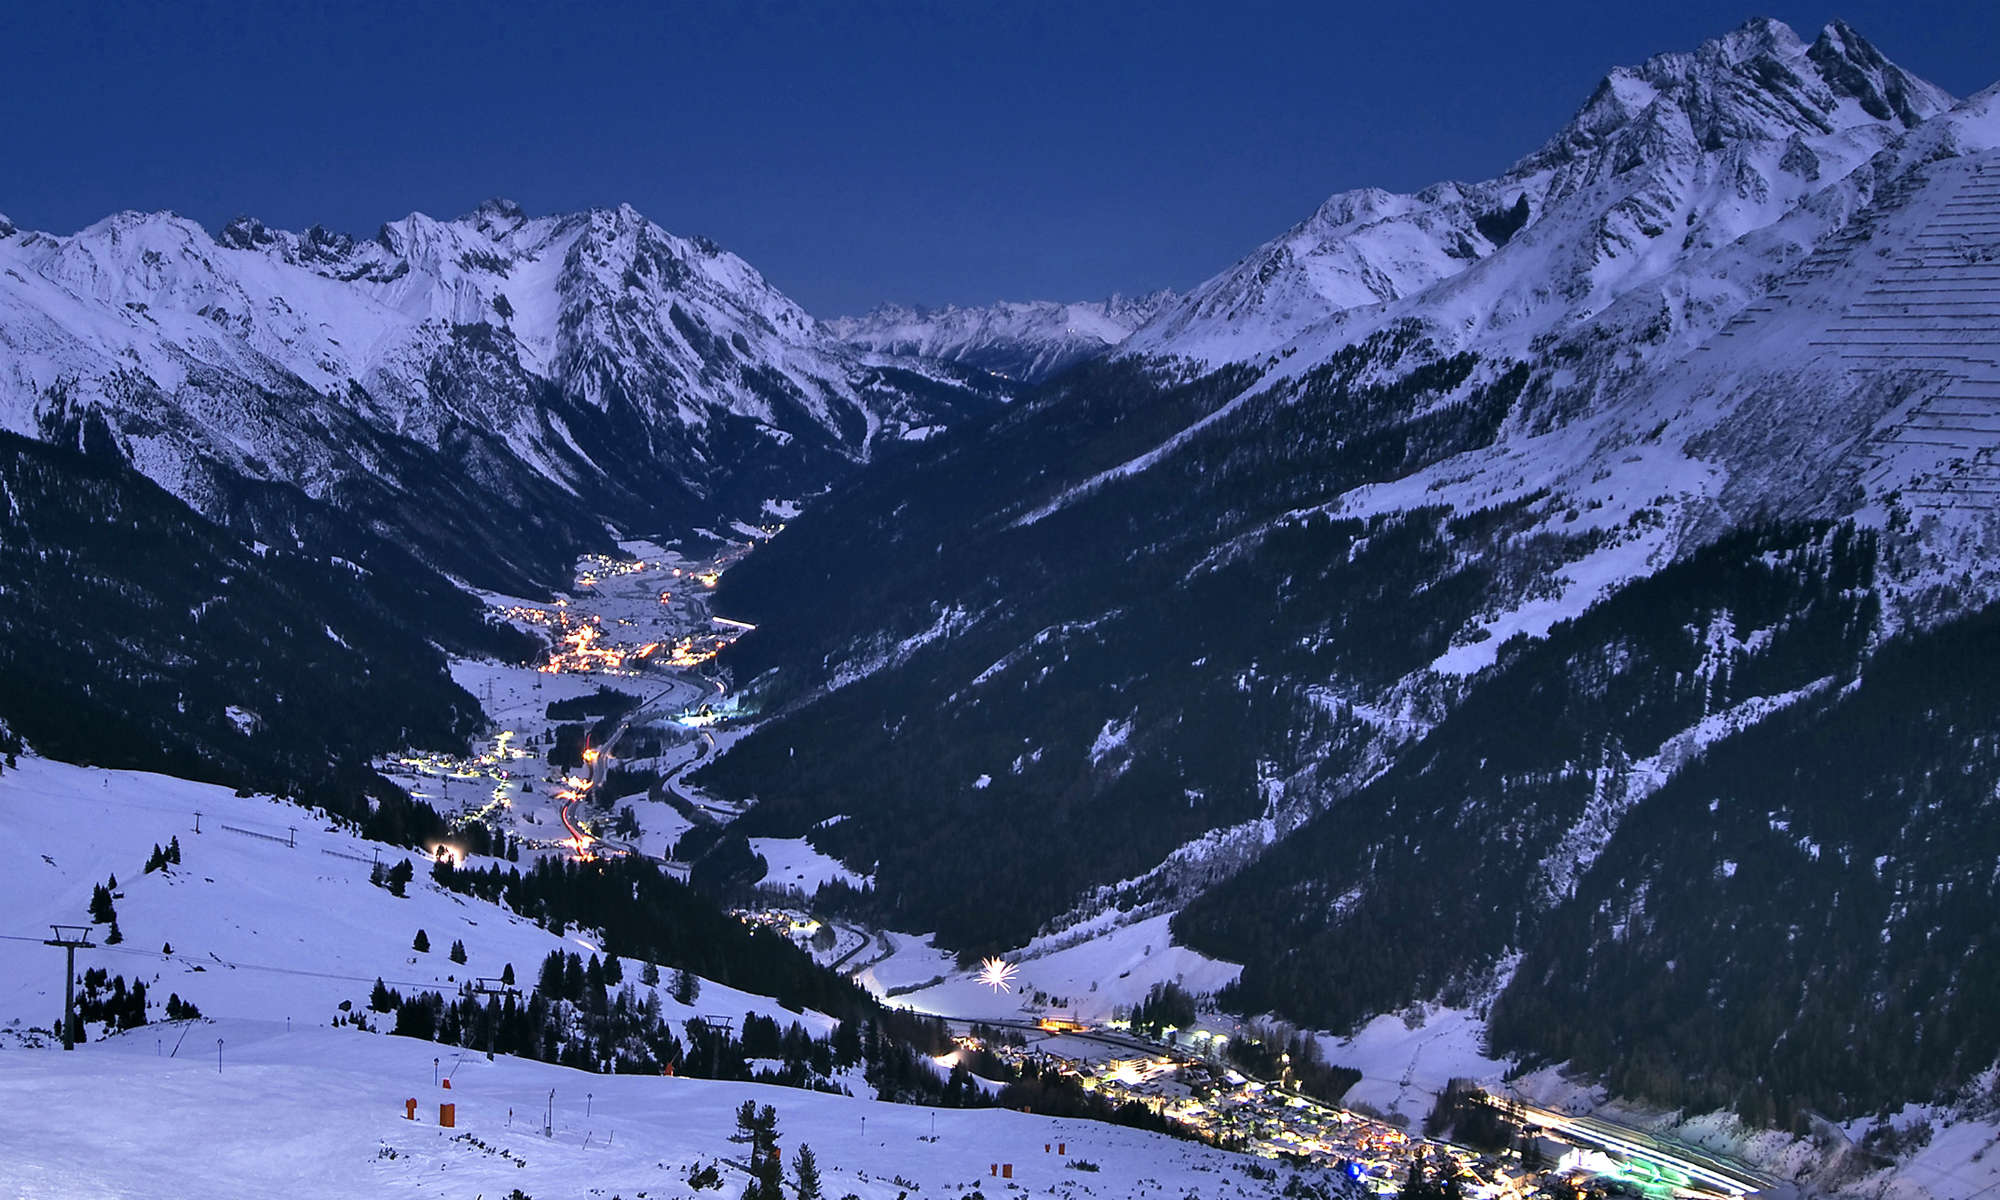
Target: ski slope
point(273, 924)
point(260, 929)
point(319, 1113)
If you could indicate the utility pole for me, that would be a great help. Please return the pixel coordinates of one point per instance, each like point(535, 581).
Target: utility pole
point(70, 938)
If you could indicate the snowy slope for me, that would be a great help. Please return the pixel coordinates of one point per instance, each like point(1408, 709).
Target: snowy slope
point(1029, 341)
point(795, 864)
point(320, 1114)
point(1850, 373)
point(1092, 974)
point(260, 928)
point(268, 938)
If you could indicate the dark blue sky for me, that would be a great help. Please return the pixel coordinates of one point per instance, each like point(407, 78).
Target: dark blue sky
point(853, 151)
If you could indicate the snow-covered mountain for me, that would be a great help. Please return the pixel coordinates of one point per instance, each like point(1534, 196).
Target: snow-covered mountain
point(1665, 161)
point(492, 389)
point(1028, 341)
point(1740, 276)
point(1747, 277)
point(1448, 588)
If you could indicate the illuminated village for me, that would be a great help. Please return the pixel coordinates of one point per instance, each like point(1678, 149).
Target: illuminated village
point(636, 626)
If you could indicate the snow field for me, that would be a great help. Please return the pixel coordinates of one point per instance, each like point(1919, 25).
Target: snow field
point(795, 863)
point(259, 929)
point(268, 938)
point(319, 1113)
point(1111, 970)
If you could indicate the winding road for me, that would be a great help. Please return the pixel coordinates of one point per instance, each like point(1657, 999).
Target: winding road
point(598, 759)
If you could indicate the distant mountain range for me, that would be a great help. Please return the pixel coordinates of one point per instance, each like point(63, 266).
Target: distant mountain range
point(1538, 596)
point(244, 471)
point(492, 390)
point(1025, 341)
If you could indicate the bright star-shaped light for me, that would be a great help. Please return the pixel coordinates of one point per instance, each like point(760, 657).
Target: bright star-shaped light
point(998, 974)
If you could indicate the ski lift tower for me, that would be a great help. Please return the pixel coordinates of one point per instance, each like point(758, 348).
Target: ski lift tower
point(719, 1029)
point(71, 938)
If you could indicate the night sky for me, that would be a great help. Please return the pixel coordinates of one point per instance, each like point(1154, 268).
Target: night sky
point(854, 152)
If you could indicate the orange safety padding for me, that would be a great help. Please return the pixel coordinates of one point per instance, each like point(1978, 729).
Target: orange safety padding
point(448, 1116)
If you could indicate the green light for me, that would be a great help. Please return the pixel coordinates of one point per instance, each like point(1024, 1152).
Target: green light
point(1651, 1178)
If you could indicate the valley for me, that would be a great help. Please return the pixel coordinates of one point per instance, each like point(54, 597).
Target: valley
point(1483, 695)
point(606, 636)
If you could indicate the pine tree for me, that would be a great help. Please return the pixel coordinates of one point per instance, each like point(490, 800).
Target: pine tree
point(380, 1000)
point(166, 947)
point(457, 951)
point(766, 1171)
point(101, 911)
point(847, 1043)
point(650, 974)
point(174, 850)
point(114, 937)
point(687, 986)
point(614, 971)
point(422, 943)
point(507, 975)
point(399, 877)
point(805, 1170)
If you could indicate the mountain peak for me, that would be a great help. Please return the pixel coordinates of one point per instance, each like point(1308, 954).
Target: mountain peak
point(499, 206)
point(1025, 340)
point(1756, 37)
point(1698, 145)
point(245, 233)
point(1853, 68)
point(1758, 82)
point(496, 215)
